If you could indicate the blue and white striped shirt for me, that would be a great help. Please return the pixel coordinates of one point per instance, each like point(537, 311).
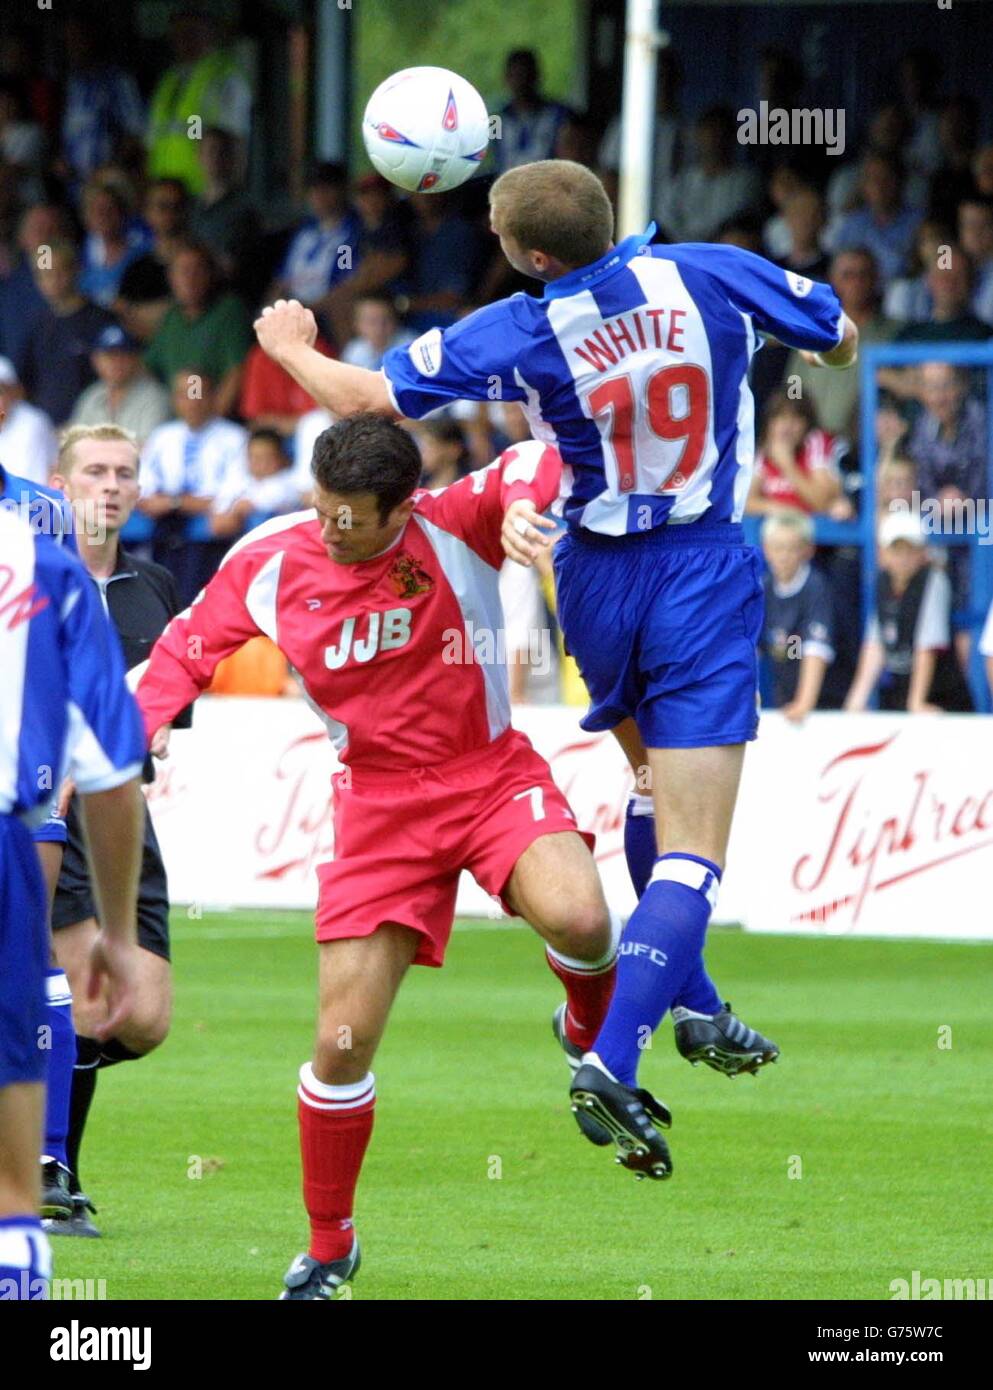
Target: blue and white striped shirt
point(636, 368)
point(63, 698)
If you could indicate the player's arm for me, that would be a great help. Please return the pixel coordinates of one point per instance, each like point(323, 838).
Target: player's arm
point(107, 749)
point(844, 355)
point(185, 657)
point(287, 332)
point(497, 510)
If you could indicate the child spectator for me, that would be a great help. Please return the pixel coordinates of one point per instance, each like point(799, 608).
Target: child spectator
point(376, 331)
point(907, 649)
point(896, 479)
point(444, 453)
point(797, 635)
point(268, 491)
point(796, 462)
point(186, 464)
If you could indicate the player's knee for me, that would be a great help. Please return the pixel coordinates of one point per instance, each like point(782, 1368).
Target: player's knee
point(343, 1054)
point(147, 1028)
point(581, 928)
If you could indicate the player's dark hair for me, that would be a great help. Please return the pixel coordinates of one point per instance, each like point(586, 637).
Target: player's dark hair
point(367, 453)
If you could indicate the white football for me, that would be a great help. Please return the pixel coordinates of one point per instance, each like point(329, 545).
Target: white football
point(426, 129)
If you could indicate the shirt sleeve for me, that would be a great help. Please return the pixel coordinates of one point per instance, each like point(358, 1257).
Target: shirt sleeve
point(473, 360)
point(933, 629)
point(799, 312)
point(185, 657)
point(473, 508)
point(106, 743)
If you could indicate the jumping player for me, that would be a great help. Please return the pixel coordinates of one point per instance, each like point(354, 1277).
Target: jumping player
point(61, 690)
point(374, 600)
point(634, 363)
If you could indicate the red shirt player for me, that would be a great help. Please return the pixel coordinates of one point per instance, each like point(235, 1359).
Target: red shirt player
point(377, 599)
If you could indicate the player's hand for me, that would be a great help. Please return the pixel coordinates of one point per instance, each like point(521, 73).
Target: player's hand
point(795, 712)
point(522, 535)
point(285, 324)
point(113, 972)
point(159, 746)
point(66, 793)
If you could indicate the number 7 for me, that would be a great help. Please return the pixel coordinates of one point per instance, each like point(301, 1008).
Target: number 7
point(537, 802)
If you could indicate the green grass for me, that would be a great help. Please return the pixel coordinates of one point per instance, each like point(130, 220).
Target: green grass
point(893, 1133)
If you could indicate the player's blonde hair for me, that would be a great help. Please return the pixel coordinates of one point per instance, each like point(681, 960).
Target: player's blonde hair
point(77, 433)
point(555, 206)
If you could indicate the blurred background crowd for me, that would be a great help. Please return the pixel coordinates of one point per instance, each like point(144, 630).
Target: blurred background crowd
point(133, 259)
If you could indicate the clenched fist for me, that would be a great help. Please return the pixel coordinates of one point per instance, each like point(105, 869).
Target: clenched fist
point(283, 326)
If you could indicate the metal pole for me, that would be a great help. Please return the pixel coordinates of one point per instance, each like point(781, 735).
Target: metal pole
point(331, 80)
point(637, 117)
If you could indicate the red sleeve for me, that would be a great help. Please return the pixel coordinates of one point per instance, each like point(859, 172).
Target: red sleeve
point(474, 507)
point(184, 658)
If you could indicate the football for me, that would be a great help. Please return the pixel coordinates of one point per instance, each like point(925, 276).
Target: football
point(426, 129)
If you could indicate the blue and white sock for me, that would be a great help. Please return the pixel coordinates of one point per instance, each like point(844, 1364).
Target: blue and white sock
point(661, 946)
point(61, 1060)
point(698, 993)
point(25, 1258)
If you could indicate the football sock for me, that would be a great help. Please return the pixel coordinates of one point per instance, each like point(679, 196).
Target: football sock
point(335, 1127)
point(61, 1059)
point(698, 992)
point(84, 1084)
point(589, 985)
point(25, 1258)
point(662, 942)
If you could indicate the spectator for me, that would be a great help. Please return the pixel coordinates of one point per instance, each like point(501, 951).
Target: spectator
point(797, 634)
point(784, 183)
point(270, 398)
point(907, 649)
point(206, 84)
point(57, 365)
point(28, 445)
point(743, 230)
point(949, 283)
point(577, 140)
point(835, 395)
point(887, 136)
point(376, 331)
point(384, 252)
point(324, 249)
point(186, 464)
point(713, 188)
point(123, 394)
point(795, 463)
point(144, 296)
point(114, 241)
point(20, 298)
point(952, 180)
point(896, 481)
point(268, 491)
point(982, 171)
point(103, 109)
point(446, 260)
point(669, 138)
point(204, 326)
point(22, 141)
point(309, 426)
point(224, 218)
point(885, 225)
point(975, 228)
point(803, 222)
point(948, 445)
point(908, 298)
point(444, 452)
point(529, 122)
point(917, 79)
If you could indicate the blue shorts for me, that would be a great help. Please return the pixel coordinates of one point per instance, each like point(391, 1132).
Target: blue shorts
point(664, 626)
point(23, 956)
point(52, 831)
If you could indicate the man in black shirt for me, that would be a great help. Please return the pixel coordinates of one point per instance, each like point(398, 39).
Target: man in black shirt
point(98, 471)
point(60, 340)
point(799, 622)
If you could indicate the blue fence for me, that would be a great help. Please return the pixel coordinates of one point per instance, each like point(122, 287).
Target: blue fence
point(862, 532)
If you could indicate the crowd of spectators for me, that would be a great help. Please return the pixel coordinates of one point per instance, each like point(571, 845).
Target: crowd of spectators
point(133, 259)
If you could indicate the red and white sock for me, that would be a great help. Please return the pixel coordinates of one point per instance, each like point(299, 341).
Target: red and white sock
point(335, 1128)
point(589, 985)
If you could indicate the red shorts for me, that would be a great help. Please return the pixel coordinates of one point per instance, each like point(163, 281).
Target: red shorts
point(402, 839)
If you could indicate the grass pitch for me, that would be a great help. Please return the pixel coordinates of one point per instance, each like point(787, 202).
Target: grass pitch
point(862, 1156)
